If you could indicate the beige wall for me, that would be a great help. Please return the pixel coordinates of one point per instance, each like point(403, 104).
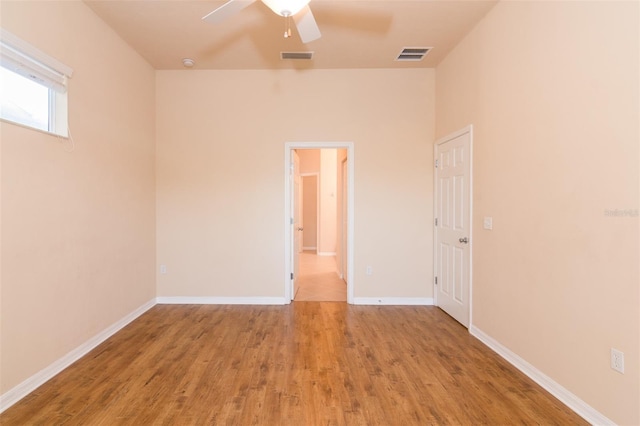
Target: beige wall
point(310, 211)
point(552, 91)
point(328, 204)
point(309, 160)
point(77, 227)
point(220, 175)
point(310, 163)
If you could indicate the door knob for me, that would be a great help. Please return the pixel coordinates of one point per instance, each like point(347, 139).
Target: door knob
point(464, 240)
point(299, 229)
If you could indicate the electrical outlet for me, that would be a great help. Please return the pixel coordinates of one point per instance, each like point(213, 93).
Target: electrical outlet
point(369, 270)
point(163, 269)
point(617, 360)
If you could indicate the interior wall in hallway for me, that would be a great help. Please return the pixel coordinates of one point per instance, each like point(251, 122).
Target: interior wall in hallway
point(310, 212)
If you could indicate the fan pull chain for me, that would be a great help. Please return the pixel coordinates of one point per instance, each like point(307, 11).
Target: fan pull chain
point(287, 26)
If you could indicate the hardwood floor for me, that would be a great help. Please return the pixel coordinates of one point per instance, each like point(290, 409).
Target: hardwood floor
point(300, 364)
point(318, 280)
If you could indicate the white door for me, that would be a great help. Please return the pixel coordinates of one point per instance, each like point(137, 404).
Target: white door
point(296, 223)
point(453, 225)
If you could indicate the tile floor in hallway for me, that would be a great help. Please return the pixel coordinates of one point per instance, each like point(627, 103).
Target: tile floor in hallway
point(318, 280)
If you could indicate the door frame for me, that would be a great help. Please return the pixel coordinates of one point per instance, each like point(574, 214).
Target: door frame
point(467, 129)
point(288, 208)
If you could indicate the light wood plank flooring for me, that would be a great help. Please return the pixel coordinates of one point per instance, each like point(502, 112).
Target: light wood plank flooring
point(300, 364)
point(318, 279)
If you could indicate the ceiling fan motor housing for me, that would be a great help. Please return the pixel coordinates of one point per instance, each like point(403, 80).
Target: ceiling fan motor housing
point(286, 7)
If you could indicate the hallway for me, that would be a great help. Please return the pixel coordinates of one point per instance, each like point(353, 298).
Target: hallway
point(318, 280)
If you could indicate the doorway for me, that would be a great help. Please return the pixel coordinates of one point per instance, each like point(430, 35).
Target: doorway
point(319, 201)
point(312, 264)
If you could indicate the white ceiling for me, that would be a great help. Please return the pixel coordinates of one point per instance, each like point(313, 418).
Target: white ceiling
point(355, 33)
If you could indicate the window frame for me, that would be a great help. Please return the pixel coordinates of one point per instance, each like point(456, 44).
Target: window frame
point(21, 58)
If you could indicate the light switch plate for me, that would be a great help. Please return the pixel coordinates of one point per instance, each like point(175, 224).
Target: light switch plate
point(487, 223)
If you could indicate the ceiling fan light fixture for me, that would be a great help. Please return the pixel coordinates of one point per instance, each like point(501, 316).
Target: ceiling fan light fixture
point(286, 7)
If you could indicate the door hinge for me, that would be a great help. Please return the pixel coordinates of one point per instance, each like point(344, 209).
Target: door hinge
point(291, 221)
point(436, 164)
point(436, 280)
point(292, 275)
point(436, 221)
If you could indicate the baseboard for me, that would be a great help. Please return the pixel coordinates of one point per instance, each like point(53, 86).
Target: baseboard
point(221, 300)
point(32, 383)
point(426, 301)
point(326, 253)
point(580, 407)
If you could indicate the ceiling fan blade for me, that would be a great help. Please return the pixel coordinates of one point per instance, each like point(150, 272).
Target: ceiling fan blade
point(306, 24)
point(227, 10)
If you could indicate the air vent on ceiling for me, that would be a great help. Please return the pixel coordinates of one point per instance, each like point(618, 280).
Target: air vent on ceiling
point(413, 53)
point(296, 55)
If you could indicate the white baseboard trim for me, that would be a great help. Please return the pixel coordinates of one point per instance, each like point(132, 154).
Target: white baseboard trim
point(426, 301)
point(314, 248)
point(32, 383)
point(580, 407)
point(179, 300)
point(326, 253)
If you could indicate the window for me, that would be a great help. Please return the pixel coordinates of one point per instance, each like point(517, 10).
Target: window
point(33, 86)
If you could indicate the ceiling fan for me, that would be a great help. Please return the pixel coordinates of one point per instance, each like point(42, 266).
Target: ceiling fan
point(298, 10)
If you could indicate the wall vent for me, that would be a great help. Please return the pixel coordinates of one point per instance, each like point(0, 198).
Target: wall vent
point(296, 55)
point(413, 53)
